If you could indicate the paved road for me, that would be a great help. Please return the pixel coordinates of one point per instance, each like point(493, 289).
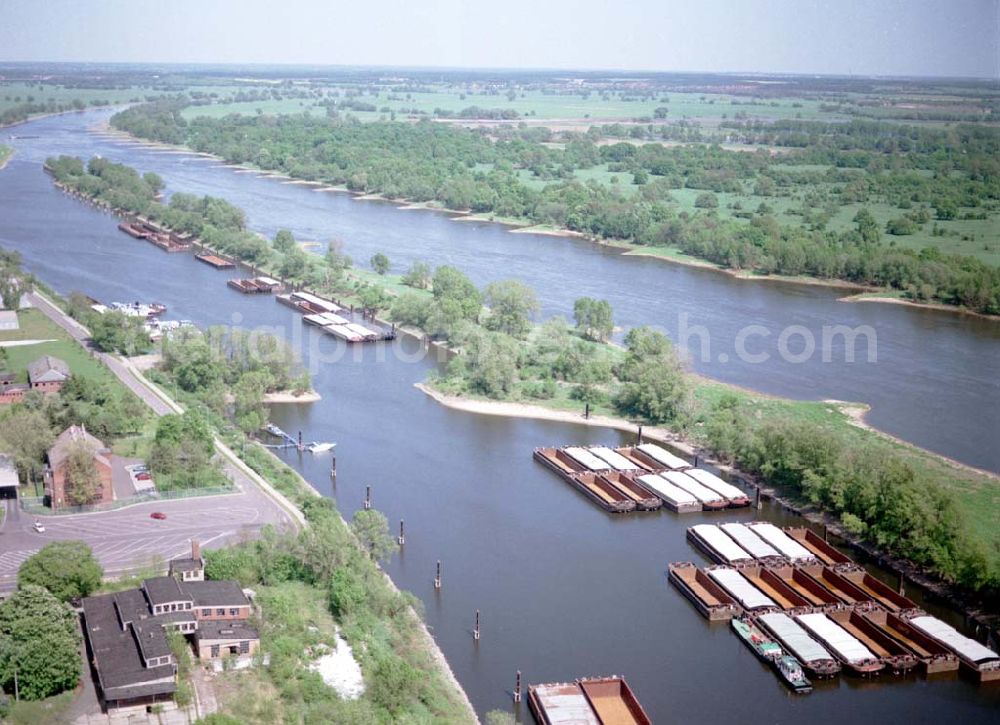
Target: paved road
point(128, 538)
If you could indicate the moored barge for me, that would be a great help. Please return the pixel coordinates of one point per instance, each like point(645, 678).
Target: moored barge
point(739, 587)
point(894, 655)
point(709, 499)
point(719, 547)
point(978, 660)
point(213, 260)
point(810, 653)
point(733, 495)
point(588, 701)
point(934, 656)
point(595, 487)
point(675, 499)
point(714, 603)
point(655, 458)
point(823, 550)
point(255, 286)
point(845, 646)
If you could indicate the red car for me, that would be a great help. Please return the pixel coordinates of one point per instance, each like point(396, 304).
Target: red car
point(158, 515)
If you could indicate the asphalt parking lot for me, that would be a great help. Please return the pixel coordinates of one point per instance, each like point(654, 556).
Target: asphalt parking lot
point(128, 539)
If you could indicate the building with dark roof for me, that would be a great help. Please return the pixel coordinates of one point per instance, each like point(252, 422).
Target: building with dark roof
point(47, 374)
point(189, 568)
point(127, 631)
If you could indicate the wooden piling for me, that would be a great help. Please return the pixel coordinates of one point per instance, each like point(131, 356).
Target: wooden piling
point(640, 435)
point(437, 577)
point(517, 687)
point(475, 632)
point(402, 536)
point(368, 497)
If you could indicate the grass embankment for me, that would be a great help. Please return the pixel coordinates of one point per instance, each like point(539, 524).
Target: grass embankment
point(5, 153)
point(295, 577)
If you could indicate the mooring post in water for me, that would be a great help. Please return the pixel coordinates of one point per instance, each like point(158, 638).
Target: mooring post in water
point(368, 497)
point(586, 411)
point(517, 687)
point(825, 533)
point(333, 468)
point(475, 632)
point(437, 577)
point(300, 441)
point(402, 536)
point(902, 583)
point(640, 435)
point(758, 498)
point(696, 461)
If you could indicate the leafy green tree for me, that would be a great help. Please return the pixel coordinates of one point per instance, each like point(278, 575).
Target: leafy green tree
point(68, 569)
point(654, 386)
point(867, 226)
point(594, 318)
point(451, 285)
point(418, 276)
point(499, 717)
point(39, 644)
point(83, 483)
point(26, 435)
point(380, 263)
point(706, 200)
point(294, 264)
point(372, 530)
point(512, 305)
point(284, 241)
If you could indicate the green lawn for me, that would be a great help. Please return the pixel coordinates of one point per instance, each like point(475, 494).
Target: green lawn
point(36, 326)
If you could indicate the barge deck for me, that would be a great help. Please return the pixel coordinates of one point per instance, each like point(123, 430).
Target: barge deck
point(708, 597)
point(214, 260)
point(588, 701)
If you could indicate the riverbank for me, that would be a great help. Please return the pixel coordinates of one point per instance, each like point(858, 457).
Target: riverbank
point(894, 298)
point(674, 256)
point(6, 152)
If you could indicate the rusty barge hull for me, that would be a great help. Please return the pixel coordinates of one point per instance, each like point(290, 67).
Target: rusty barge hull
point(711, 600)
point(214, 260)
point(600, 492)
point(894, 655)
point(587, 701)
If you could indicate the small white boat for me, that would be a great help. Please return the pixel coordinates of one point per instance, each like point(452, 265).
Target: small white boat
point(315, 447)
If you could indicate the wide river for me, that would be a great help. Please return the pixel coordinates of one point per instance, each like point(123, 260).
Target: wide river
point(564, 589)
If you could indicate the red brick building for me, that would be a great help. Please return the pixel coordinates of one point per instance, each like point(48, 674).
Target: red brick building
point(57, 483)
point(47, 374)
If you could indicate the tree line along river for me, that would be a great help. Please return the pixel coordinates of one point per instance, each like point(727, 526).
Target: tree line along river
point(564, 589)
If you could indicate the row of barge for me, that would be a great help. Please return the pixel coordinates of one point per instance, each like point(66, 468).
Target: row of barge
point(644, 477)
point(587, 701)
point(331, 318)
point(155, 234)
point(819, 605)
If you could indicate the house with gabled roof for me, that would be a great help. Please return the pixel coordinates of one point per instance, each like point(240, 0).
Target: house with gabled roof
point(47, 374)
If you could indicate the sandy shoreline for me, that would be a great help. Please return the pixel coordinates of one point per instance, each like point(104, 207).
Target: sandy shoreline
point(309, 396)
point(867, 297)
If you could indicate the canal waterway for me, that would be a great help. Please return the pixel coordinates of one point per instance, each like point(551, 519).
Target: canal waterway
point(565, 590)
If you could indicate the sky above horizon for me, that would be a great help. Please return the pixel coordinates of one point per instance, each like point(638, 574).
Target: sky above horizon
point(849, 37)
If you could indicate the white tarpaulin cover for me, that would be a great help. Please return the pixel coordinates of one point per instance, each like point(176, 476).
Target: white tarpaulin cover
point(736, 584)
point(721, 544)
point(682, 480)
point(616, 459)
point(710, 480)
point(667, 491)
point(953, 639)
point(587, 459)
point(749, 540)
point(668, 459)
point(780, 540)
point(794, 637)
point(836, 637)
point(313, 299)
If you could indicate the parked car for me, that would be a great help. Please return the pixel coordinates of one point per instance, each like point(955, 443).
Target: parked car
point(37, 526)
point(143, 477)
point(158, 515)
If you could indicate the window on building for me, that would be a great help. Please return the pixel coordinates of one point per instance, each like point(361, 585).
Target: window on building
point(206, 612)
point(215, 650)
point(221, 612)
point(233, 612)
point(244, 647)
